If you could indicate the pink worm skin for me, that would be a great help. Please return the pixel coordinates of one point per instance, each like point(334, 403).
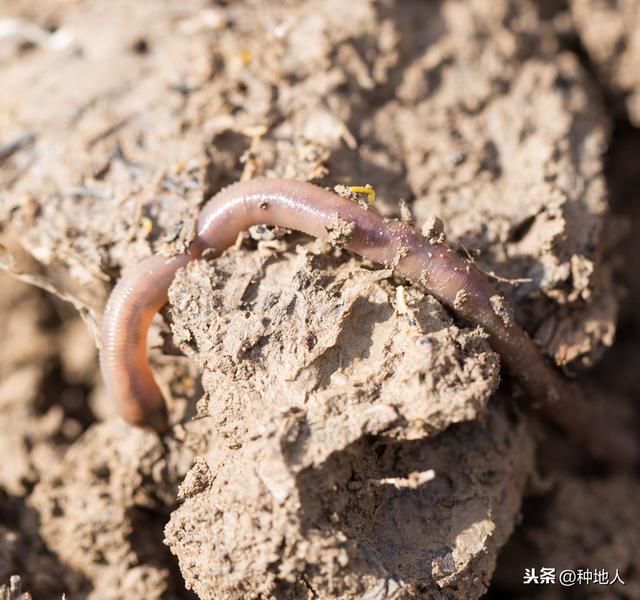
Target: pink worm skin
point(142, 292)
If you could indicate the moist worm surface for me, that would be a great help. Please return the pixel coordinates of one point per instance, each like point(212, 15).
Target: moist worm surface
point(454, 281)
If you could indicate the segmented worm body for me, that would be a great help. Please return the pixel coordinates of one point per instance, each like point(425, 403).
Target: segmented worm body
point(454, 281)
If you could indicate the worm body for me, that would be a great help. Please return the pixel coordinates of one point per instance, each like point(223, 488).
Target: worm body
point(454, 281)
point(133, 303)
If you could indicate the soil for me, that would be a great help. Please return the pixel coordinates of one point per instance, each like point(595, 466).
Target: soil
point(610, 32)
point(336, 432)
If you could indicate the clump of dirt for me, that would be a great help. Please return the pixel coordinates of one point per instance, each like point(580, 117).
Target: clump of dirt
point(39, 419)
point(524, 192)
point(306, 358)
point(281, 517)
point(570, 528)
point(298, 326)
point(348, 441)
point(610, 33)
point(339, 231)
point(572, 520)
point(585, 512)
point(101, 509)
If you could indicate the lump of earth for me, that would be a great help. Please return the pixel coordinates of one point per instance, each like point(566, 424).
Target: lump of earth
point(374, 519)
point(322, 380)
point(102, 509)
point(579, 524)
point(610, 33)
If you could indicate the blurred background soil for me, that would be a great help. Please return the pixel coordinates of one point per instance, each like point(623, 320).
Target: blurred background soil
point(336, 433)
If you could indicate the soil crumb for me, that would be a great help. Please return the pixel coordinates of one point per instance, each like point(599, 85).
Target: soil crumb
point(433, 230)
point(502, 310)
point(339, 231)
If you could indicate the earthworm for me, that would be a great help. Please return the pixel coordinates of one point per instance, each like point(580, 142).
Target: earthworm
point(454, 281)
